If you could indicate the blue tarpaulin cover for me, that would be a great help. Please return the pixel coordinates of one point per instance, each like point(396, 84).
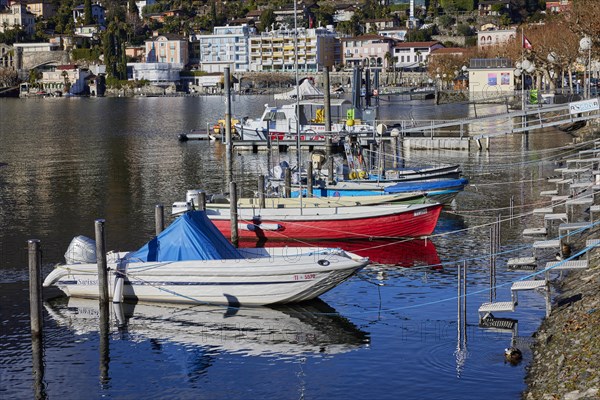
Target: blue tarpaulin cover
point(192, 236)
point(419, 186)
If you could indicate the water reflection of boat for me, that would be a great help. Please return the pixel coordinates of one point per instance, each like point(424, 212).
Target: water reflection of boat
point(308, 328)
point(402, 252)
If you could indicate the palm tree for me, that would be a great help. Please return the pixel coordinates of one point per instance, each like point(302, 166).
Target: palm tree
point(67, 86)
point(389, 60)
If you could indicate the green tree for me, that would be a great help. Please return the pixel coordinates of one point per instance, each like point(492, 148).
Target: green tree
point(87, 13)
point(113, 46)
point(324, 14)
point(352, 27)
point(132, 7)
point(267, 18)
point(457, 5)
point(110, 53)
point(13, 35)
point(446, 21)
point(464, 30)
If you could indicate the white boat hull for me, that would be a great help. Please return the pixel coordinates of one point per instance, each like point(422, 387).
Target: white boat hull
point(285, 275)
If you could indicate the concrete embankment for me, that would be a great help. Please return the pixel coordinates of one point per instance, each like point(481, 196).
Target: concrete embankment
point(566, 354)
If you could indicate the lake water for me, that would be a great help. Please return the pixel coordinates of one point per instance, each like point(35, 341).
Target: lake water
point(390, 332)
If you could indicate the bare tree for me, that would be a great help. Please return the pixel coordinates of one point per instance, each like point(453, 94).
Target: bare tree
point(8, 77)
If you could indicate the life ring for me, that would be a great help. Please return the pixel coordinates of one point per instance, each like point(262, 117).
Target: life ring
point(362, 174)
point(353, 175)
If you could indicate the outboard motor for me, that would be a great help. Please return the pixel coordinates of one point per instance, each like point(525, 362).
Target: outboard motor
point(82, 250)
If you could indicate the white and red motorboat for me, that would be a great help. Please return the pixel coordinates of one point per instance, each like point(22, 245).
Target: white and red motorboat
point(381, 221)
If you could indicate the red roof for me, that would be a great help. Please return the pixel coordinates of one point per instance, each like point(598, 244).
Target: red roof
point(369, 37)
point(67, 66)
point(449, 50)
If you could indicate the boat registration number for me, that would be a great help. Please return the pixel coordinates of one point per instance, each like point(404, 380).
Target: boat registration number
point(304, 277)
point(420, 212)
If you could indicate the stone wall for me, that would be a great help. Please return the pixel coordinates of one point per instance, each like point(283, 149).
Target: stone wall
point(459, 40)
point(31, 60)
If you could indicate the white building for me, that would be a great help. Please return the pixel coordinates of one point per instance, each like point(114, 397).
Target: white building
point(15, 16)
point(226, 47)
point(414, 54)
point(36, 47)
point(155, 73)
point(276, 50)
point(394, 33)
point(66, 79)
point(143, 3)
point(490, 78)
point(98, 14)
point(88, 31)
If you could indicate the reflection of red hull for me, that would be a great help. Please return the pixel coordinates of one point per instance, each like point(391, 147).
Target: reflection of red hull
point(416, 221)
point(404, 253)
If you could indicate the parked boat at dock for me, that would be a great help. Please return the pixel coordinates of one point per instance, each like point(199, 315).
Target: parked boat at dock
point(436, 190)
point(219, 201)
point(191, 262)
point(441, 190)
point(279, 122)
point(197, 135)
point(381, 221)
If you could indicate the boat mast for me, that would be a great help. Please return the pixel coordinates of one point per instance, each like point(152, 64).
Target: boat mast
point(299, 155)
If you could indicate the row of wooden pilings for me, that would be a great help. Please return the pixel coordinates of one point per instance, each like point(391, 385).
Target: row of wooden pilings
point(34, 249)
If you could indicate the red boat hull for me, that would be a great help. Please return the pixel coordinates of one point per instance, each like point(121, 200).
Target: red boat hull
point(413, 223)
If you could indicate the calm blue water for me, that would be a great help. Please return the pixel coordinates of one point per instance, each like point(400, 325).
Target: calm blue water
point(390, 332)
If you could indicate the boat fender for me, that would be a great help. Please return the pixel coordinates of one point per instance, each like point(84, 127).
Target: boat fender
point(324, 263)
point(264, 227)
point(353, 175)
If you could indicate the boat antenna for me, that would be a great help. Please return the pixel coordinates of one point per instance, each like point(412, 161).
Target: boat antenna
point(298, 146)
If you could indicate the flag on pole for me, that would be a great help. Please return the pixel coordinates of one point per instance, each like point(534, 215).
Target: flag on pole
point(527, 44)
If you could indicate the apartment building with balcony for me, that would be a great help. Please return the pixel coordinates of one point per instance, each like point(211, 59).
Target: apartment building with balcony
point(167, 48)
point(367, 50)
point(275, 51)
point(226, 47)
point(17, 15)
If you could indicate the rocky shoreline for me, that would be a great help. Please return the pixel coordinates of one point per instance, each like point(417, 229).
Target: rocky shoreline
point(566, 353)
